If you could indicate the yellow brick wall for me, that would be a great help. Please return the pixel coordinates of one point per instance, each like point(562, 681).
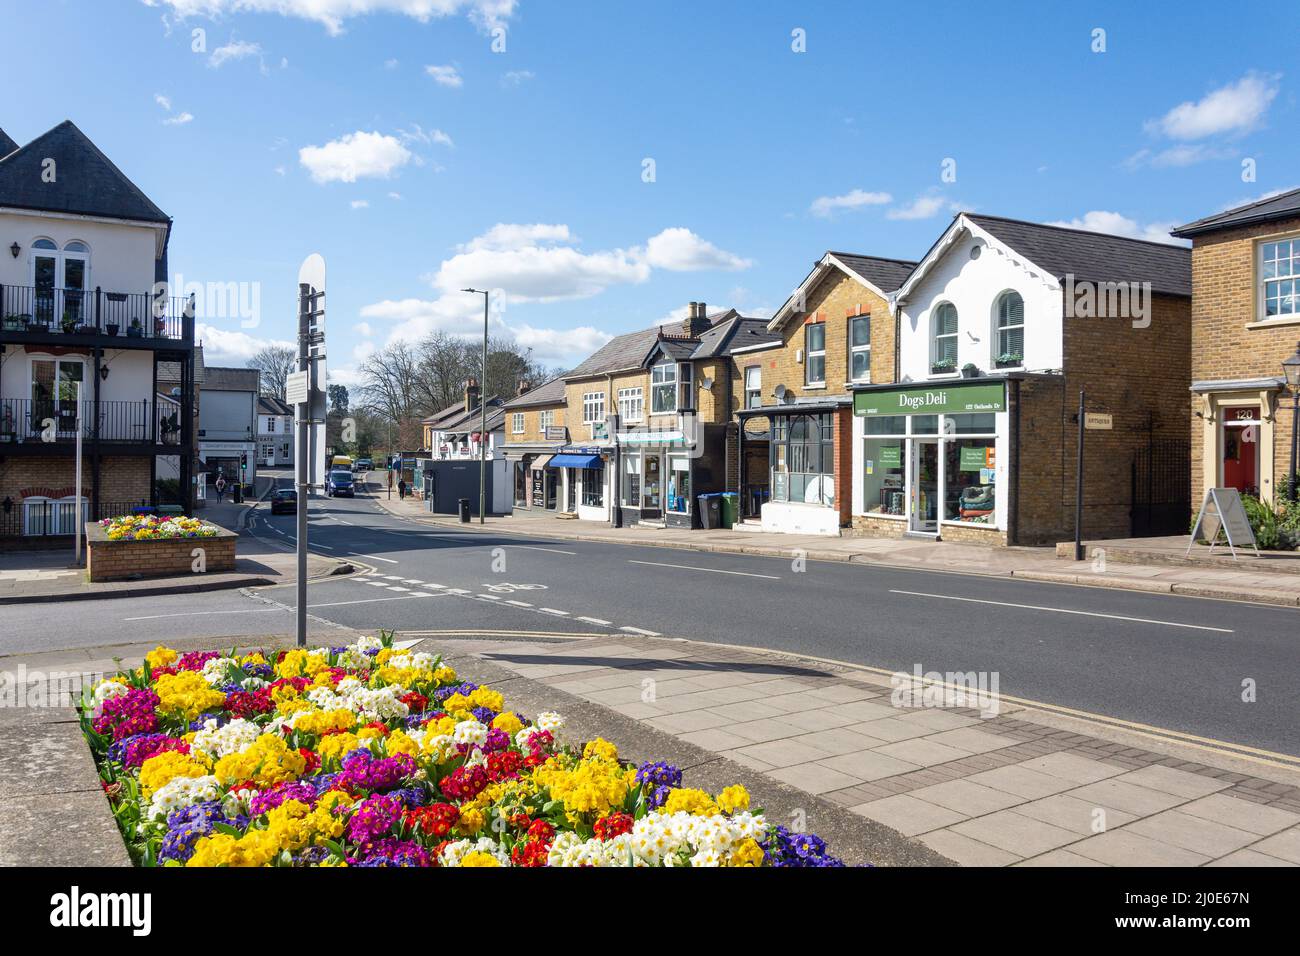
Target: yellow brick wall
point(1224, 347)
point(532, 423)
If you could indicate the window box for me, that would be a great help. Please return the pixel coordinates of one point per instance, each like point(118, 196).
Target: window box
point(1009, 361)
point(943, 368)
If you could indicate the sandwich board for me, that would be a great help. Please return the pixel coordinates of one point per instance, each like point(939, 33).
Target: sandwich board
point(1223, 513)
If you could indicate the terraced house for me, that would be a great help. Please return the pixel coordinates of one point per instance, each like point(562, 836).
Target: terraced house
point(640, 429)
point(1245, 358)
point(81, 248)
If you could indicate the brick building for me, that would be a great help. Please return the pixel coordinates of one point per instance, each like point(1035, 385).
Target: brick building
point(1245, 323)
point(999, 327)
point(794, 393)
point(84, 311)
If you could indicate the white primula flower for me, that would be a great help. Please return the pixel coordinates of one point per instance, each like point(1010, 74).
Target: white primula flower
point(232, 738)
point(107, 690)
point(182, 792)
point(470, 732)
point(215, 670)
point(549, 721)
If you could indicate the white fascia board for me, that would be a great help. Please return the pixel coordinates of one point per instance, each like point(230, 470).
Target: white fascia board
point(951, 235)
point(827, 262)
point(762, 346)
point(160, 228)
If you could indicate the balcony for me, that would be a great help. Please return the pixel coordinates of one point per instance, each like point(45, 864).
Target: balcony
point(34, 425)
point(82, 316)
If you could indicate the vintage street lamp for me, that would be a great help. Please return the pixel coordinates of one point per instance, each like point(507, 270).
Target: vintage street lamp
point(1291, 368)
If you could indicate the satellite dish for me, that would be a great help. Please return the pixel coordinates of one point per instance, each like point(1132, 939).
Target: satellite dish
point(706, 384)
point(779, 392)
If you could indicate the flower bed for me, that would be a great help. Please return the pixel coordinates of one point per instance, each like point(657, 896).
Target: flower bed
point(370, 756)
point(156, 528)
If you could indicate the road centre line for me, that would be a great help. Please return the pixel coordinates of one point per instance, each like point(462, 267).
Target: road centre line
point(642, 631)
point(1062, 610)
point(596, 620)
point(532, 547)
point(687, 567)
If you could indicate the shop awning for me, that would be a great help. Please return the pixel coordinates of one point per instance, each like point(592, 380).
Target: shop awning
point(542, 461)
point(575, 461)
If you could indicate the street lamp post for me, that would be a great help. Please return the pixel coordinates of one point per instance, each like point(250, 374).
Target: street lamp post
point(1291, 368)
point(482, 404)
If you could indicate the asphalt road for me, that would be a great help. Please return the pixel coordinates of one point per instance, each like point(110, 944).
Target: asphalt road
point(1172, 662)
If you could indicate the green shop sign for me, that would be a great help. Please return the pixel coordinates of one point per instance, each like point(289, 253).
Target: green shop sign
point(954, 399)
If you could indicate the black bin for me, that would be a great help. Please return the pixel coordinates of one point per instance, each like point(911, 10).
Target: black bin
point(710, 511)
point(462, 507)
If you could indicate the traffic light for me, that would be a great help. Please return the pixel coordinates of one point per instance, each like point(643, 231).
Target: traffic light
point(243, 462)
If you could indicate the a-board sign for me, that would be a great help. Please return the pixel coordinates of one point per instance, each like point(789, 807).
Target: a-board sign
point(539, 488)
point(1222, 513)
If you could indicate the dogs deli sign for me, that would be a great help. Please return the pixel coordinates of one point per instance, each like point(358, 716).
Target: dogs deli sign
point(955, 399)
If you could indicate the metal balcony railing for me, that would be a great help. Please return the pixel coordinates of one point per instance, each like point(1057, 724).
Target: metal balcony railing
point(134, 315)
point(51, 420)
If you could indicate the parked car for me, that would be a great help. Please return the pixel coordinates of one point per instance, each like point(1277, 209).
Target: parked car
point(340, 485)
point(363, 464)
point(284, 501)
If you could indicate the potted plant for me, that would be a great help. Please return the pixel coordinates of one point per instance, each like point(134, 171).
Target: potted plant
point(135, 330)
point(110, 328)
point(69, 322)
point(1010, 360)
point(943, 367)
point(15, 323)
point(970, 370)
point(38, 323)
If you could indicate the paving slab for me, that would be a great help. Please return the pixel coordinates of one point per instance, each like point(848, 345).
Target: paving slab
point(1016, 833)
point(1124, 847)
point(1193, 833)
point(908, 815)
point(967, 797)
point(967, 852)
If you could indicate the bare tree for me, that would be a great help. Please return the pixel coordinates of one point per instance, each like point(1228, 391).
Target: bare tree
point(276, 363)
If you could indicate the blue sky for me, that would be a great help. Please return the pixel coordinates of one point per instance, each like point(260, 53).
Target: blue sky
point(391, 137)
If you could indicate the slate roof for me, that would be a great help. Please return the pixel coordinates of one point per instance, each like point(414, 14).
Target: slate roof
point(734, 331)
point(87, 183)
point(1283, 206)
point(549, 393)
point(624, 351)
point(885, 274)
point(1094, 256)
point(7, 145)
point(468, 421)
point(217, 379)
point(270, 405)
point(445, 414)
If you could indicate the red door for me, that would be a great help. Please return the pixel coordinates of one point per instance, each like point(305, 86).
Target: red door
point(1241, 449)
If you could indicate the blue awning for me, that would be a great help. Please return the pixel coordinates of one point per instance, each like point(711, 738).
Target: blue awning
point(574, 461)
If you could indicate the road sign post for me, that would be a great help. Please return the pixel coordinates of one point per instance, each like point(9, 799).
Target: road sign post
point(306, 387)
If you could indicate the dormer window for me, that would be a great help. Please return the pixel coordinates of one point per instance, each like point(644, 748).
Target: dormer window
point(671, 387)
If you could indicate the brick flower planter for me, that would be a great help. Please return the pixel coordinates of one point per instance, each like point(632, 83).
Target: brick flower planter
point(118, 560)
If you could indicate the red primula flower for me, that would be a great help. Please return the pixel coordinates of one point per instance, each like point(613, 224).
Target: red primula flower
point(615, 824)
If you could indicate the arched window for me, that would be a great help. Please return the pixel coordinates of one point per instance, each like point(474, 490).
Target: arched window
point(60, 278)
point(943, 334)
point(1009, 340)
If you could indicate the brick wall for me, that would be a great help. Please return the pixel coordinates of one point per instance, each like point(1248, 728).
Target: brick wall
point(122, 480)
point(1225, 346)
point(532, 423)
point(119, 560)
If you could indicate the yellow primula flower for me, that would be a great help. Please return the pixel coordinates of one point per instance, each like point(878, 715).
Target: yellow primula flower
point(471, 821)
point(508, 722)
point(600, 748)
point(161, 657)
point(187, 693)
point(158, 771)
point(688, 800)
point(733, 799)
point(267, 762)
point(480, 859)
point(749, 853)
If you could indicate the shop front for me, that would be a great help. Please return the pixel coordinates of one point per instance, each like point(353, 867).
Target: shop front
point(930, 461)
point(657, 478)
point(584, 474)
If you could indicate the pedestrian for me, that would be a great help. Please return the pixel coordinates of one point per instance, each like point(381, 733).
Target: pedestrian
point(221, 487)
point(401, 489)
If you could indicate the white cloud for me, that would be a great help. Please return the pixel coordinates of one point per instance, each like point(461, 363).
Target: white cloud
point(1233, 109)
point(680, 250)
point(1180, 154)
point(560, 346)
point(542, 273)
point(418, 134)
point(516, 77)
point(445, 75)
point(507, 235)
point(230, 347)
point(395, 196)
point(280, 170)
point(1117, 224)
point(360, 204)
point(391, 63)
point(163, 101)
point(355, 156)
point(180, 119)
point(1247, 200)
point(235, 50)
point(363, 329)
point(826, 206)
point(922, 207)
point(332, 14)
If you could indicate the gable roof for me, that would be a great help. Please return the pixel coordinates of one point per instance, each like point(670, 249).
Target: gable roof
point(270, 405)
point(7, 145)
point(1282, 206)
point(734, 331)
point(882, 276)
point(86, 181)
point(1062, 251)
point(548, 393)
point(445, 414)
point(471, 417)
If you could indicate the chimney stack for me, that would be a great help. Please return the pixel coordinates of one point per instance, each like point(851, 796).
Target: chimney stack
point(471, 395)
point(696, 322)
point(524, 386)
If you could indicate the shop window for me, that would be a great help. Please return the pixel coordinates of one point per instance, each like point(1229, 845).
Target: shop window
point(521, 485)
point(883, 482)
point(925, 424)
point(814, 363)
point(632, 481)
point(860, 348)
point(1279, 278)
point(593, 487)
point(663, 387)
point(969, 469)
point(803, 459)
point(943, 334)
point(1009, 342)
point(975, 423)
point(754, 386)
point(679, 485)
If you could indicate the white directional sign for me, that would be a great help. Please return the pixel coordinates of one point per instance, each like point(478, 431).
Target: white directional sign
point(297, 388)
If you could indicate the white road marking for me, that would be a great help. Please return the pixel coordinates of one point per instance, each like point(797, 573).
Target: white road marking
point(1062, 610)
point(394, 587)
point(530, 547)
point(406, 597)
point(152, 617)
point(325, 546)
point(412, 581)
point(551, 610)
point(456, 591)
point(688, 567)
point(437, 587)
point(596, 620)
point(519, 603)
point(392, 577)
point(372, 557)
point(637, 630)
point(490, 597)
point(403, 645)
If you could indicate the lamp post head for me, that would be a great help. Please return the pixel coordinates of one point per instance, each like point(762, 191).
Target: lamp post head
point(1291, 368)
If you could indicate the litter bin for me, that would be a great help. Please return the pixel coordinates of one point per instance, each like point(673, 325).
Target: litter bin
point(730, 501)
point(710, 511)
point(237, 493)
point(462, 506)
